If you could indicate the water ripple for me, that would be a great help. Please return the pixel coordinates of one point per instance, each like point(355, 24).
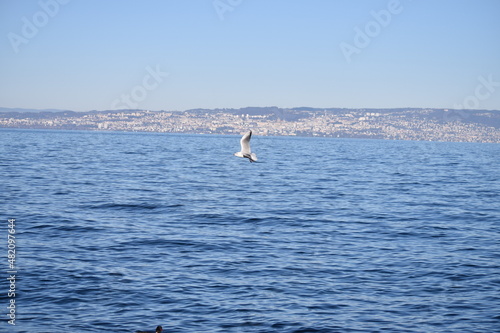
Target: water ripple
point(126, 231)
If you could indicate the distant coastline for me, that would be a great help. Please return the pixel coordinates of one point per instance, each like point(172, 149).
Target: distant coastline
point(391, 124)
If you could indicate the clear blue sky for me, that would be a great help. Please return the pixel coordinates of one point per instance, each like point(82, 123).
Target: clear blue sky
point(93, 54)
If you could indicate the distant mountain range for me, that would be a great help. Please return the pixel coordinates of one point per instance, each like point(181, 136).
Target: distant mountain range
point(7, 110)
point(4, 110)
point(486, 117)
point(395, 123)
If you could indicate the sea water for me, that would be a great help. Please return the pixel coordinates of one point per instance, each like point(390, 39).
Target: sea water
point(117, 232)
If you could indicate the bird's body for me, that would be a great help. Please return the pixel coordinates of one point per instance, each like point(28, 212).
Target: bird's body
point(246, 152)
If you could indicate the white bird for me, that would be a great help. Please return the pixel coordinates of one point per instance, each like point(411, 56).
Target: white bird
point(246, 152)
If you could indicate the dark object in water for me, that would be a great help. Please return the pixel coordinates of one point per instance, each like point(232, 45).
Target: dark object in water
point(159, 329)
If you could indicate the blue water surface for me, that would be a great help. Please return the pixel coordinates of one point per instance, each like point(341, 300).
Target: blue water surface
point(118, 232)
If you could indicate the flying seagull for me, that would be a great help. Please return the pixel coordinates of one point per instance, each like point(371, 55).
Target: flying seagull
point(246, 152)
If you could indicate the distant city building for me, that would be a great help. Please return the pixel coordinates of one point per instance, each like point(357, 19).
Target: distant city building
point(393, 124)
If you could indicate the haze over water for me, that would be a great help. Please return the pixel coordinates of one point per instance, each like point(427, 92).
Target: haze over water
point(126, 231)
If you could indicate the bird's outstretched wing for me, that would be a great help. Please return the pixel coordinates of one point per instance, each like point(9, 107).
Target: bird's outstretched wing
point(245, 143)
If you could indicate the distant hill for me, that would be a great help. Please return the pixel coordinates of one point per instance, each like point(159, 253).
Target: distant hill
point(489, 118)
point(395, 124)
point(8, 110)
point(22, 110)
point(486, 117)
